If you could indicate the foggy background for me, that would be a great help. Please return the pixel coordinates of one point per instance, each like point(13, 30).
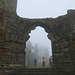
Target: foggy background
point(39, 36)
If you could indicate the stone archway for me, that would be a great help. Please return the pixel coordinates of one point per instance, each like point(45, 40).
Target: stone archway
point(33, 28)
point(15, 30)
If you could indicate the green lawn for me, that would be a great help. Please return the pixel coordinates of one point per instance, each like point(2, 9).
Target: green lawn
point(39, 67)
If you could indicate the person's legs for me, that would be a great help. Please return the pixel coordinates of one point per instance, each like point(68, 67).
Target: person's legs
point(44, 63)
point(35, 63)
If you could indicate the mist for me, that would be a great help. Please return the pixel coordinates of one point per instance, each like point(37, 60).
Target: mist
point(37, 47)
point(39, 36)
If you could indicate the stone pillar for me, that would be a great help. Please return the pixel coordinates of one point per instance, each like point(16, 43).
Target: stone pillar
point(55, 53)
point(2, 36)
point(20, 54)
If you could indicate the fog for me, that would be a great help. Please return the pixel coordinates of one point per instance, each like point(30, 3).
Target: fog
point(35, 54)
point(39, 36)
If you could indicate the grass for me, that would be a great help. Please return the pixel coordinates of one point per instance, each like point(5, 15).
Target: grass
point(39, 67)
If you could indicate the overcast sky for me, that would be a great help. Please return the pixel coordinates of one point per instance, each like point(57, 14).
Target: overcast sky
point(43, 9)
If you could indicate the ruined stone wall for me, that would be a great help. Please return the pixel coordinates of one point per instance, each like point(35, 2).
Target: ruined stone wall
point(15, 39)
point(2, 33)
point(72, 36)
point(64, 54)
point(11, 5)
point(10, 47)
point(14, 34)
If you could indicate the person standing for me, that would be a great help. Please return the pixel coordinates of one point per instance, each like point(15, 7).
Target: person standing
point(35, 61)
point(43, 61)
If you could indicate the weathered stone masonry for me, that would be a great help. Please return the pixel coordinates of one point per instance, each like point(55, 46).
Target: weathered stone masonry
point(14, 34)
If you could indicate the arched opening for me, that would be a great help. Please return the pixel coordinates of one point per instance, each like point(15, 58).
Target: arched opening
point(37, 47)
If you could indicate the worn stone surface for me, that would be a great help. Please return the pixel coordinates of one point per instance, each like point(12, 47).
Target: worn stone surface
point(14, 34)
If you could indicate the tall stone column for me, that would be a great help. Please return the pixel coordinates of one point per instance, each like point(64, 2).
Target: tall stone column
point(2, 34)
point(20, 55)
point(55, 53)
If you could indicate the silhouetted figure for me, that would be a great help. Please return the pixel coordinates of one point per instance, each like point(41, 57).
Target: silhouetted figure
point(43, 61)
point(35, 61)
point(50, 61)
